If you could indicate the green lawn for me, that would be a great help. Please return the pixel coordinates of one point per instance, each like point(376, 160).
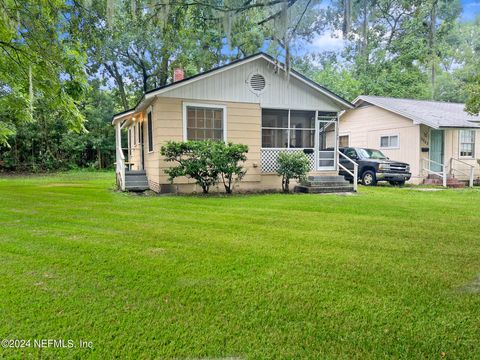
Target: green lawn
point(387, 273)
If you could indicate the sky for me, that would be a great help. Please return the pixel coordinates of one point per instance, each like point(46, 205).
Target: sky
point(334, 42)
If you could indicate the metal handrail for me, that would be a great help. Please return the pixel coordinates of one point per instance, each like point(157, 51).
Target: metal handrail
point(355, 169)
point(470, 174)
point(442, 174)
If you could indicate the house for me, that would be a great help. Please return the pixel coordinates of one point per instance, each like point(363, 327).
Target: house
point(437, 139)
point(252, 101)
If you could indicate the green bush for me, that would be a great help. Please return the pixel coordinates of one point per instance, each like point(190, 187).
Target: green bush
point(206, 162)
point(292, 165)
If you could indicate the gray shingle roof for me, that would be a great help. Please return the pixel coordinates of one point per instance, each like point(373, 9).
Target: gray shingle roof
point(435, 114)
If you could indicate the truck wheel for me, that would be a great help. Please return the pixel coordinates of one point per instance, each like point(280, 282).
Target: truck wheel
point(369, 178)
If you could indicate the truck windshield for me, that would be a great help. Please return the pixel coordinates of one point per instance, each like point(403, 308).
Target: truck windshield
point(371, 154)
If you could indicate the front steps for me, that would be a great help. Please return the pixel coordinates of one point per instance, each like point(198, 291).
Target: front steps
point(324, 185)
point(437, 180)
point(136, 180)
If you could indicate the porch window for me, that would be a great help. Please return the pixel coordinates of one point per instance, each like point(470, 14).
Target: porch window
point(389, 142)
point(205, 123)
point(150, 132)
point(467, 143)
point(293, 129)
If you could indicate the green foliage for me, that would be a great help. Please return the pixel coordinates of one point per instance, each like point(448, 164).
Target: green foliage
point(205, 162)
point(40, 65)
point(292, 165)
point(227, 159)
point(473, 102)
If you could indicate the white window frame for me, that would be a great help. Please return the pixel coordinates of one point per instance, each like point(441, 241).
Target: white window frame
point(148, 138)
point(209, 106)
point(460, 144)
point(389, 136)
point(288, 128)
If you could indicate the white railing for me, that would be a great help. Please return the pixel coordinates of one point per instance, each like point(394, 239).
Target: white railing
point(120, 157)
point(355, 169)
point(442, 173)
point(470, 174)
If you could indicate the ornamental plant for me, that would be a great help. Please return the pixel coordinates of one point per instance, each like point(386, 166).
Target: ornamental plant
point(206, 162)
point(292, 165)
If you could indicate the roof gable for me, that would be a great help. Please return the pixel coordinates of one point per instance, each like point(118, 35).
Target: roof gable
point(228, 83)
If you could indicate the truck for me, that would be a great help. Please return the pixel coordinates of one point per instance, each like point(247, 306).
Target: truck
point(374, 166)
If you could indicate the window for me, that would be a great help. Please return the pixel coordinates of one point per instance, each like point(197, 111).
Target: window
point(140, 128)
point(135, 134)
point(288, 129)
point(351, 153)
point(150, 132)
point(130, 141)
point(205, 123)
point(467, 143)
point(389, 141)
point(343, 141)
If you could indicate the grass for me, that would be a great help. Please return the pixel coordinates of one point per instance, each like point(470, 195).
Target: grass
point(387, 273)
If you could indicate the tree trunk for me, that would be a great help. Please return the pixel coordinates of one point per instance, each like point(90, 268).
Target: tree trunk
point(115, 73)
point(433, 20)
point(164, 67)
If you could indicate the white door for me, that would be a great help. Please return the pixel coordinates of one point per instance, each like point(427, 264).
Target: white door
point(326, 144)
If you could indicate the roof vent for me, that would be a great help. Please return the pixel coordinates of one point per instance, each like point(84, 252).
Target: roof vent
point(257, 83)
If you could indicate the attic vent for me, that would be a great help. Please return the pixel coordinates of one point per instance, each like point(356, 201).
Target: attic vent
point(257, 83)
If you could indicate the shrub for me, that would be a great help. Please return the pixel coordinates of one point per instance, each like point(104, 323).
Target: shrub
point(292, 165)
point(205, 161)
point(227, 158)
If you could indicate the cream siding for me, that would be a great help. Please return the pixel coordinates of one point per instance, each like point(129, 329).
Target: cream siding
point(365, 126)
point(232, 86)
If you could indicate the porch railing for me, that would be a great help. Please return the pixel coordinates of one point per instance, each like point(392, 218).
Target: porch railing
point(355, 169)
point(470, 172)
point(442, 173)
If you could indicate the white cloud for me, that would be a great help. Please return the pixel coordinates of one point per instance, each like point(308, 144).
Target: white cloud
point(327, 42)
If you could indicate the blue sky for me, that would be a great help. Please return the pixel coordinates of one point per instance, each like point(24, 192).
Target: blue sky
point(334, 42)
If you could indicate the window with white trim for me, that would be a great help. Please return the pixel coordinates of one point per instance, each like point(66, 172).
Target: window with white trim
point(135, 135)
point(150, 132)
point(390, 141)
point(467, 143)
point(205, 123)
point(130, 141)
point(288, 129)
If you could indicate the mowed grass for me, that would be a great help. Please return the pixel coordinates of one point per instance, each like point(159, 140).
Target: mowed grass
point(388, 273)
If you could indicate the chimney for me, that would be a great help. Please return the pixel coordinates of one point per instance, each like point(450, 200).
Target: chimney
point(178, 74)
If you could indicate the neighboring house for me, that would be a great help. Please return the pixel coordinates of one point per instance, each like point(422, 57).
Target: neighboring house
point(252, 101)
point(434, 137)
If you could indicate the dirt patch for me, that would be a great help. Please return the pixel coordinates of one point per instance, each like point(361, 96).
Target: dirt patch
point(473, 287)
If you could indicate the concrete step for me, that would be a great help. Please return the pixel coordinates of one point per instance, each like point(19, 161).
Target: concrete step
point(322, 189)
point(136, 188)
point(327, 178)
point(135, 173)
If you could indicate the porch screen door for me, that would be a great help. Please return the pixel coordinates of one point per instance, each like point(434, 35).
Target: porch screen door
point(436, 149)
point(326, 141)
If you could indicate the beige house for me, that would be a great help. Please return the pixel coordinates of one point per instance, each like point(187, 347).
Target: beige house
point(252, 101)
point(435, 138)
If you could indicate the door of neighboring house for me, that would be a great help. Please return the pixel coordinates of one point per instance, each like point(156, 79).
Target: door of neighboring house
point(436, 149)
point(142, 147)
point(326, 144)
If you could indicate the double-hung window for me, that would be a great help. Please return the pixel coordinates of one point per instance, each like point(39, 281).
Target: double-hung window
point(205, 122)
point(467, 143)
point(389, 142)
point(288, 129)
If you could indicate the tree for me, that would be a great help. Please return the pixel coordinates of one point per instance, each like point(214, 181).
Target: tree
point(40, 64)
